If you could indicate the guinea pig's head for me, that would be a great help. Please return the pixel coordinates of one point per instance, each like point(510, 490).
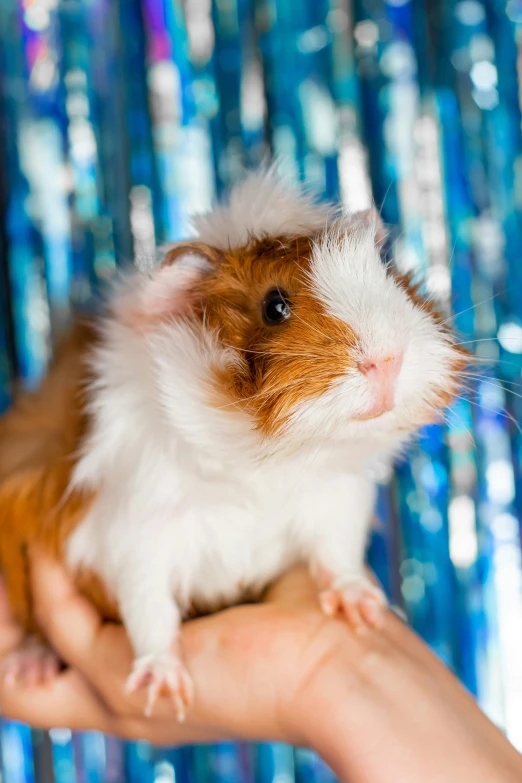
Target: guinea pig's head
point(321, 339)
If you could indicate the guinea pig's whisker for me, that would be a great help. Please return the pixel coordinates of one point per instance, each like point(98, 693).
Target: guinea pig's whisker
point(278, 353)
point(272, 391)
point(429, 300)
point(318, 331)
point(481, 376)
point(302, 258)
point(469, 434)
point(483, 360)
point(304, 276)
point(451, 258)
point(502, 411)
point(494, 382)
point(467, 310)
point(502, 381)
point(385, 197)
point(395, 242)
point(487, 339)
point(267, 392)
point(234, 403)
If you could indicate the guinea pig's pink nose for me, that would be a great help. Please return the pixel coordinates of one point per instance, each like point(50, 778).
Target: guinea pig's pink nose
point(382, 375)
point(387, 368)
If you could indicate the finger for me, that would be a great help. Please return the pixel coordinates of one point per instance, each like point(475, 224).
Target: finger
point(10, 633)
point(68, 701)
point(68, 620)
point(167, 733)
point(296, 588)
point(100, 652)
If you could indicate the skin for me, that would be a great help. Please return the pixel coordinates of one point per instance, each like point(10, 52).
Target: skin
point(377, 705)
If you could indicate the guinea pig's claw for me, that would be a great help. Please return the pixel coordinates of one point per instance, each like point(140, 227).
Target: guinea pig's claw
point(162, 674)
point(359, 601)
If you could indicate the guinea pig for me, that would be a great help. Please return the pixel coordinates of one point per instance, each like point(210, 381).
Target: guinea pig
point(220, 423)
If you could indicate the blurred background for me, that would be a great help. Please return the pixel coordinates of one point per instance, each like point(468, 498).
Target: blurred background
point(121, 118)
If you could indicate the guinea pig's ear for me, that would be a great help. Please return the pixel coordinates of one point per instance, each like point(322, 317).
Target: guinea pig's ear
point(196, 256)
point(372, 217)
point(170, 289)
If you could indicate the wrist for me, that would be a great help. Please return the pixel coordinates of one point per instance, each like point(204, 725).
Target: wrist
point(325, 707)
point(373, 715)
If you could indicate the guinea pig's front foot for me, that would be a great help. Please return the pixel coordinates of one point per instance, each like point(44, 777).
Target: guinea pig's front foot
point(357, 599)
point(162, 674)
point(32, 663)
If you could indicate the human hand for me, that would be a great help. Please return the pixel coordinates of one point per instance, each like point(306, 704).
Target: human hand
point(377, 705)
point(246, 662)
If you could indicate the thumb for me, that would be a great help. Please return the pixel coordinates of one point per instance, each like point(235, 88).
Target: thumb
point(295, 588)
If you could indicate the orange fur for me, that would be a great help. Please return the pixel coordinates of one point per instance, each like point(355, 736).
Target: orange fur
point(302, 358)
point(39, 440)
point(283, 365)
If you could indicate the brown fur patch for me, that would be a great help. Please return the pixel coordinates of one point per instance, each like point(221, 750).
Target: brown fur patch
point(39, 440)
point(280, 365)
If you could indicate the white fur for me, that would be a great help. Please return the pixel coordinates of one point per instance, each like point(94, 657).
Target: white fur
point(348, 276)
point(191, 502)
point(262, 204)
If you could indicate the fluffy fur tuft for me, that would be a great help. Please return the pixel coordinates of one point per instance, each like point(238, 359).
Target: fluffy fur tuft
point(262, 205)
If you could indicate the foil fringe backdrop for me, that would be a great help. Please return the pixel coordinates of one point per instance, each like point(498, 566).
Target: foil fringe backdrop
point(121, 118)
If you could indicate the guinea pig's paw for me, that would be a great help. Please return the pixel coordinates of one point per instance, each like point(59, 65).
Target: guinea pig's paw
point(32, 663)
point(358, 600)
point(162, 674)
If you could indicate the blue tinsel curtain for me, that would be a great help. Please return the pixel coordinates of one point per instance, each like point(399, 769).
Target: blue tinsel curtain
point(121, 118)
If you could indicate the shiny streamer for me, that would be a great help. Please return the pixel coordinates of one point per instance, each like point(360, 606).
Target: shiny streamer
point(122, 118)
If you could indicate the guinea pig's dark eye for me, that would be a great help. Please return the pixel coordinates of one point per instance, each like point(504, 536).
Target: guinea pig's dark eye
point(275, 308)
